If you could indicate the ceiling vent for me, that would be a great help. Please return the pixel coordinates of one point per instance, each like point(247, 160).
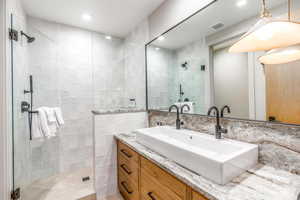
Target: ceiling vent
point(217, 26)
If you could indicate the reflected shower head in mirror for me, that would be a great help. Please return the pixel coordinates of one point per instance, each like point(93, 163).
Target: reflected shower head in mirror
point(29, 39)
point(184, 65)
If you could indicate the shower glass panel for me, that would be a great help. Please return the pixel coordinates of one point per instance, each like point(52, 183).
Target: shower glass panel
point(43, 167)
point(21, 143)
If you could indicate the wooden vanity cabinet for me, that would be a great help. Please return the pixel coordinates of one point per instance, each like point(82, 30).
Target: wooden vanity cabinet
point(197, 196)
point(141, 179)
point(128, 172)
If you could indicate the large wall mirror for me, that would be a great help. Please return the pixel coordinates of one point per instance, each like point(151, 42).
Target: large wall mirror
point(191, 64)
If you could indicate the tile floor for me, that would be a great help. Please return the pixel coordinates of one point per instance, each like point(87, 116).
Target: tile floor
point(67, 186)
point(115, 197)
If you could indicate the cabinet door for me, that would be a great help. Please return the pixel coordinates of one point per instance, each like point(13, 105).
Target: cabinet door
point(129, 168)
point(128, 189)
point(162, 177)
point(151, 189)
point(128, 153)
point(197, 196)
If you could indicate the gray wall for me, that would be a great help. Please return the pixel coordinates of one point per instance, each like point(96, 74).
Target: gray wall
point(231, 82)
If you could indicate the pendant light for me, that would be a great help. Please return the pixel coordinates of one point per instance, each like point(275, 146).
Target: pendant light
point(282, 55)
point(268, 34)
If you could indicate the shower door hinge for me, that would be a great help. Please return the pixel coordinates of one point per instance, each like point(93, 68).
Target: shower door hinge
point(16, 194)
point(13, 34)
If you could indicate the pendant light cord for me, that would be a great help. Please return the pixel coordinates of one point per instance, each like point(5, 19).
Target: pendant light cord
point(289, 10)
point(265, 12)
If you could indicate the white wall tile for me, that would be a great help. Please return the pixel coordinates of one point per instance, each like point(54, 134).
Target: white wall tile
point(105, 126)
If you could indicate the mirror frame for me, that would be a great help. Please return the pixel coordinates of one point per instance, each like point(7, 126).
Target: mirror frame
point(196, 114)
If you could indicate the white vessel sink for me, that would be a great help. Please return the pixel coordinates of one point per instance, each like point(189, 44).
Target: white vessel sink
point(217, 160)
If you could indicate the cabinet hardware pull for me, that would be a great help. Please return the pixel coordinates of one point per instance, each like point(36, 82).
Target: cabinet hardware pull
point(150, 194)
point(124, 167)
point(123, 183)
point(126, 153)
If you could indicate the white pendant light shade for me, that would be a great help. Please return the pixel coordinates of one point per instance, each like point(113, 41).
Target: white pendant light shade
point(281, 56)
point(268, 34)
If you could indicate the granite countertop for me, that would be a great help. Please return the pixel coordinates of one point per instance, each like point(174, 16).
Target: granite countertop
point(260, 183)
point(117, 111)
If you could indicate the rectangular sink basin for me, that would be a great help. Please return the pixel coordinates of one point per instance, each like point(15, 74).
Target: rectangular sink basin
point(217, 160)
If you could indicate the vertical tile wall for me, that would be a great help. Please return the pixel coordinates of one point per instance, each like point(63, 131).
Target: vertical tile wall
point(105, 126)
point(79, 71)
point(165, 75)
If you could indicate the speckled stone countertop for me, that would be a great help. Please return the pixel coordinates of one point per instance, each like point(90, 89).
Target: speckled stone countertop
point(260, 183)
point(116, 111)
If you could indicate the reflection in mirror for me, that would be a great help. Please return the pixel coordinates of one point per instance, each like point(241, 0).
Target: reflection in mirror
point(191, 64)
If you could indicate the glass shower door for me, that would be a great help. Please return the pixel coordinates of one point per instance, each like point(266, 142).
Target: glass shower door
point(33, 159)
point(19, 74)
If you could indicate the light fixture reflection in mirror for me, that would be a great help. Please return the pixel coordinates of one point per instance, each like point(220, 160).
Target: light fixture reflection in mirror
point(281, 56)
point(269, 34)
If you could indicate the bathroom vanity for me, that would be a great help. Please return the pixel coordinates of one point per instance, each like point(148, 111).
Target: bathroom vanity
point(144, 174)
point(140, 178)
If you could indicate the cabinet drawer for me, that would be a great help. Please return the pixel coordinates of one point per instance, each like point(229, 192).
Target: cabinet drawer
point(127, 152)
point(164, 178)
point(128, 188)
point(130, 169)
point(197, 196)
point(151, 189)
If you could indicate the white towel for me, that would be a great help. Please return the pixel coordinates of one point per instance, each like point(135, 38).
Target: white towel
point(59, 116)
point(36, 127)
point(48, 128)
point(43, 122)
point(50, 114)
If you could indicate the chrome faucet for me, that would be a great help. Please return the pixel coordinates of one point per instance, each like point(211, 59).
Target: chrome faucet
point(178, 121)
point(218, 128)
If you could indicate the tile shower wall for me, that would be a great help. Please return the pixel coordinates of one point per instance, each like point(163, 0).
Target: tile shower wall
point(279, 145)
point(105, 126)
point(161, 75)
point(166, 75)
point(194, 81)
point(134, 64)
point(79, 71)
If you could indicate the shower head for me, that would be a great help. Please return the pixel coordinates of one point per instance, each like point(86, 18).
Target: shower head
point(29, 39)
point(184, 65)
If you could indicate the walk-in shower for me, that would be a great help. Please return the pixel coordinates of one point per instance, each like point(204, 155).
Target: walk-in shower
point(58, 166)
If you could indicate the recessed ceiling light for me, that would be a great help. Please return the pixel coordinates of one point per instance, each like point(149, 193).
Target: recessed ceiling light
point(108, 37)
point(86, 17)
point(161, 38)
point(157, 48)
point(241, 3)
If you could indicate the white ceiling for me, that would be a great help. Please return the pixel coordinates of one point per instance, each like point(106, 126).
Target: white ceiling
point(114, 17)
point(224, 11)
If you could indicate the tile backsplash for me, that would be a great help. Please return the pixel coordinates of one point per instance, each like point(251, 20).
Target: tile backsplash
point(279, 144)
